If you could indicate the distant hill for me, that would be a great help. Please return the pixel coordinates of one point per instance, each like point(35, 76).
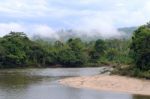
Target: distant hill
point(66, 34)
point(128, 31)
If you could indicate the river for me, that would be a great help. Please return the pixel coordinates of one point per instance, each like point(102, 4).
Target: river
point(43, 84)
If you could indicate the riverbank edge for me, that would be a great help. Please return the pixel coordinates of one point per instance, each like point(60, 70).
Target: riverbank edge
point(109, 83)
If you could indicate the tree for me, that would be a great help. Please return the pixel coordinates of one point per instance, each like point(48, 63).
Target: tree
point(111, 54)
point(2, 56)
point(100, 46)
point(15, 45)
point(98, 50)
point(140, 47)
point(76, 44)
point(48, 51)
point(73, 54)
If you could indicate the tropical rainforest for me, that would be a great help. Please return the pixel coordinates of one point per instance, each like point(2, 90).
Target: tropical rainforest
point(18, 51)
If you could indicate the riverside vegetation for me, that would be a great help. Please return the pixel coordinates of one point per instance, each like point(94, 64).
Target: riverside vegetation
point(129, 56)
point(140, 53)
point(17, 50)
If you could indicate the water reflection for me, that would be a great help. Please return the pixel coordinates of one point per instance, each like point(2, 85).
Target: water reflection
point(141, 97)
point(41, 84)
point(17, 80)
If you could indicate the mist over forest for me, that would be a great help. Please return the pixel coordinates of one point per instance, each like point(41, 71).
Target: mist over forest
point(64, 35)
point(99, 44)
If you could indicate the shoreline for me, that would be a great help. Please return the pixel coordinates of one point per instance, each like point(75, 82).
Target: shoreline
point(111, 83)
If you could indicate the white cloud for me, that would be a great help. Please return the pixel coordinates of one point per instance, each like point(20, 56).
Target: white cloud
point(21, 8)
point(92, 28)
point(87, 2)
point(45, 31)
point(103, 16)
point(30, 30)
point(99, 25)
point(120, 4)
point(5, 28)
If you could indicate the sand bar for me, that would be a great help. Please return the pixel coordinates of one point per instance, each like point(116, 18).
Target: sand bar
point(110, 83)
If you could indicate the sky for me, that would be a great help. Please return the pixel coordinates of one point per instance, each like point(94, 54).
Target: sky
point(45, 17)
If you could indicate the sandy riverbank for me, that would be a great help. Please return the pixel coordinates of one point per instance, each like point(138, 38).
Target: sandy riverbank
point(110, 83)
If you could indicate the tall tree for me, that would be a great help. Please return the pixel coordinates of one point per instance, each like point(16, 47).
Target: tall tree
point(16, 45)
point(98, 50)
point(141, 47)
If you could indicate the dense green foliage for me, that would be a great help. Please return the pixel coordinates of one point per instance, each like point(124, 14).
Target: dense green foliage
point(140, 53)
point(141, 47)
point(17, 50)
point(130, 56)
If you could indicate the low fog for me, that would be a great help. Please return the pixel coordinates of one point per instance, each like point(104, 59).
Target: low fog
point(85, 31)
point(58, 19)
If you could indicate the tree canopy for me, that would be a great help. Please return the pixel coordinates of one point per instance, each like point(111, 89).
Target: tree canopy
point(141, 47)
point(17, 50)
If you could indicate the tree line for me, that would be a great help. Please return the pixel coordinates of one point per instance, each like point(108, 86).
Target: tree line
point(17, 50)
point(140, 53)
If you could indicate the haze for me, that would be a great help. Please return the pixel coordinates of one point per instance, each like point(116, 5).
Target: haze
point(92, 18)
